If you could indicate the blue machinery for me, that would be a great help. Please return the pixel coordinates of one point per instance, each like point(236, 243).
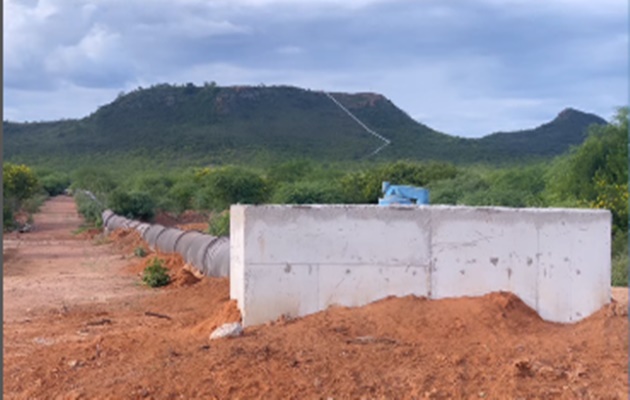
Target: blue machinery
point(403, 194)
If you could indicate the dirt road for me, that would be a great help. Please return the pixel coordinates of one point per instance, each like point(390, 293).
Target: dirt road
point(54, 268)
point(78, 325)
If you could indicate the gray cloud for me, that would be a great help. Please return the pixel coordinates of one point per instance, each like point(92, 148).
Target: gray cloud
point(462, 67)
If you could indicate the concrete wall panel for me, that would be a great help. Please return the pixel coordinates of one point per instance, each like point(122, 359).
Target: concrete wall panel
point(274, 291)
point(572, 249)
point(237, 255)
point(351, 234)
point(346, 253)
point(476, 251)
point(296, 260)
point(358, 285)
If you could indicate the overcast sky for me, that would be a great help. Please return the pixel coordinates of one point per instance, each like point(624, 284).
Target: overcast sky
point(464, 67)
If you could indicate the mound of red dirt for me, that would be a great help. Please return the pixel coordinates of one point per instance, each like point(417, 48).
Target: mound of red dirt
point(469, 348)
point(183, 277)
point(127, 240)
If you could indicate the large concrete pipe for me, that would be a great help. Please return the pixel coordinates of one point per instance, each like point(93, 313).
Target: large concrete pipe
point(142, 228)
point(195, 253)
point(133, 224)
point(209, 254)
point(167, 240)
point(185, 240)
point(110, 221)
point(105, 216)
point(117, 222)
point(151, 235)
point(217, 260)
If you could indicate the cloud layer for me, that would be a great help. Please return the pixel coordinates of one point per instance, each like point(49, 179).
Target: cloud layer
point(465, 67)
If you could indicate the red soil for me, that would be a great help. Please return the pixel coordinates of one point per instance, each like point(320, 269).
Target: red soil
point(153, 343)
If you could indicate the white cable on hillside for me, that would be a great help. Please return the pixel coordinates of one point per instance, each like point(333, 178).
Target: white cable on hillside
point(358, 121)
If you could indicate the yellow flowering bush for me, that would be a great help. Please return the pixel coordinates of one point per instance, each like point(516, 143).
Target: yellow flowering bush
point(18, 182)
point(613, 197)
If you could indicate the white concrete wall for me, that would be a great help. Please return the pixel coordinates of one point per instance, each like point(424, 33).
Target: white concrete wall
point(297, 260)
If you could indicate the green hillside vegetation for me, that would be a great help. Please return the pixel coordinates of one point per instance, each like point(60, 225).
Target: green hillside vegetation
point(168, 126)
point(550, 139)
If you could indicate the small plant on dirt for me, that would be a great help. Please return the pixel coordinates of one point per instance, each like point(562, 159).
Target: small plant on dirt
point(140, 252)
point(155, 274)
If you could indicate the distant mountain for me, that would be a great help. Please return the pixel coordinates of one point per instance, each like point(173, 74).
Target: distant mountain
point(186, 125)
point(550, 139)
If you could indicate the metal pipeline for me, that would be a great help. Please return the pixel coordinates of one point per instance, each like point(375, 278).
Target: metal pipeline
point(209, 254)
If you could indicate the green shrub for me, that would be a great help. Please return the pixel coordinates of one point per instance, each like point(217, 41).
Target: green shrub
point(358, 187)
point(155, 274)
point(619, 242)
point(156, 185)
point(98, 181)
point(521, 187)
point(290, 171)
point(509, 187)
point(219, 224)
point(181, 196)
point(595, 174)
point(619, 250)
point(89, 209)
point(133, 205)
point(18, 182)
point(498, 197)
point(33, 203)
point(8, 223)
point(19, 186)
point(54, 184)
point(140, 252)
point(307, 193)
point(620, 270)
point(453, 191)
point(231, 185)
point(153, 182)
point(365, 187)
